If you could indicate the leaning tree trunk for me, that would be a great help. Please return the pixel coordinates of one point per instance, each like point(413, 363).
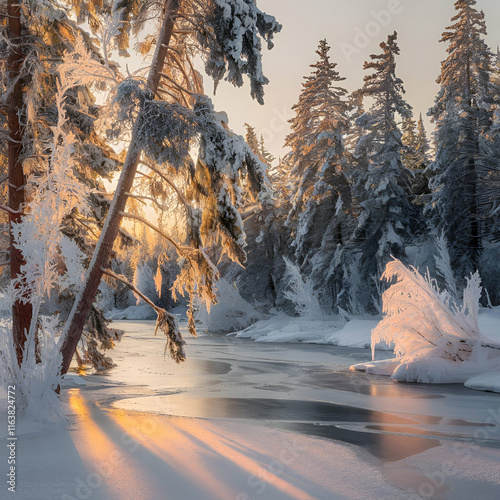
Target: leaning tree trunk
point(83, 303)
point(21, 312)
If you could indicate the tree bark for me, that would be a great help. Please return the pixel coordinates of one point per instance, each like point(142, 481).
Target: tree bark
point(21, 312)
point(83, 303)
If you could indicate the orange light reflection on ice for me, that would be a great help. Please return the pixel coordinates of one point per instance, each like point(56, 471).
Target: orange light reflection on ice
point(175, 449)
point(190, 444)
point(222, 447)
point(110, 462)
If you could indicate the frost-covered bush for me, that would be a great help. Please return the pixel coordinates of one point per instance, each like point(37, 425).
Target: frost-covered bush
point(420, 320)
point(301, 292)
point(436, 338)
point(37, 378)
point(231, 312)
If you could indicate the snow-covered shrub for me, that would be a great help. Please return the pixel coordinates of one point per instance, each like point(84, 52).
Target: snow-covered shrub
point(37, 378)
point(301, 292)
point(231, 312)
point(436, 339)
point(420, 320)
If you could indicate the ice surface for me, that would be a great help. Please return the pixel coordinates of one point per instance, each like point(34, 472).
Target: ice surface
point(293, 423)
point(357, 333)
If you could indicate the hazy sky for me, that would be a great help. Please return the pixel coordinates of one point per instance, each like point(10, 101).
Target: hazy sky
point(354, 29)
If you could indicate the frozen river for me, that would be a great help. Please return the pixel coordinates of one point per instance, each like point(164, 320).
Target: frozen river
point(242, 420)
point(307, 389)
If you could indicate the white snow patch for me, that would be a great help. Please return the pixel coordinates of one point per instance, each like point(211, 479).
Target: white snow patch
point(323, 330)
point(485, 382)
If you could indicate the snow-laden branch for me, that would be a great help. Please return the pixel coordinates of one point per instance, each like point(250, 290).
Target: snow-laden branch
point(165, 322)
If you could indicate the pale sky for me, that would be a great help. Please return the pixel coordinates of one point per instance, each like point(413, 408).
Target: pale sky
point(354, 29)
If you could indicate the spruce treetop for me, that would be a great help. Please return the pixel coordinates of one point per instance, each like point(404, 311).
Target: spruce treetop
point(467, 67)
point(321, 105)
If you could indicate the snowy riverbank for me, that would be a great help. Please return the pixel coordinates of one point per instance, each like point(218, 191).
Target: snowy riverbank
point(357, 334)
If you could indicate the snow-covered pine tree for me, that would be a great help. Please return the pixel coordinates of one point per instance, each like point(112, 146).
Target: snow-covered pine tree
point(415, 157)
point(258, 282)
point(411, 159)
point(492, 184)
point(386, 213)
point(317, 127)
point(463, 116)
point(322, 193)
point(252, 140)
point(422, 145)
point(420, 181)
point(264, 153)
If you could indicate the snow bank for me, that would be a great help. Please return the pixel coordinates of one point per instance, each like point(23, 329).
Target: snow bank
point(430, 370)
point(485, 382)
point(322, 330)
point(231, 313)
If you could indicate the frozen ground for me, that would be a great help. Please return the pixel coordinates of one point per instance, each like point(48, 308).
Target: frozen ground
point(243, 420)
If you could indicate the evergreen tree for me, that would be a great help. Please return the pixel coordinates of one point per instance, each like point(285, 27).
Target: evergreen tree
point(318, 129)
point(264, 154)
point(251, 139)
point(463, 116)
point(322, 202)
point(420, 181)
point(415, 157)
point(386, 213)
point(411, 158)
point(422, 145)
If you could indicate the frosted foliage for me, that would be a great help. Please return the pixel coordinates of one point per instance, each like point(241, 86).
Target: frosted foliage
point(230, 313)
point(54, 194)
point(57, 191)
point(35, 382)
point(443, 265)
point(421, 321)
point(301, 292)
